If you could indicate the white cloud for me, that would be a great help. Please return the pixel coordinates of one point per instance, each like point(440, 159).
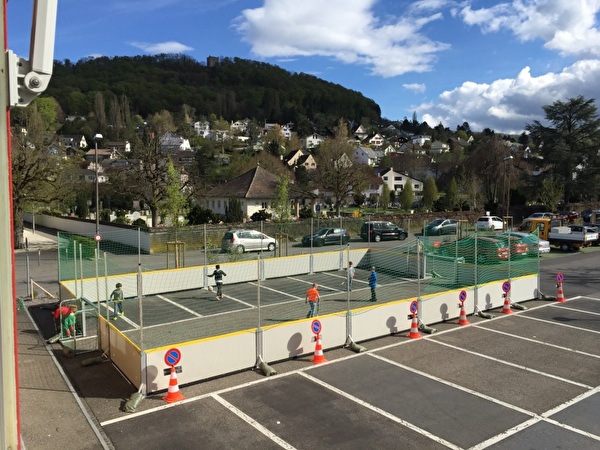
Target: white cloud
point(507, 105)
point(415, 87)
point(568, 27)
point(288, 28)
point(162, 47)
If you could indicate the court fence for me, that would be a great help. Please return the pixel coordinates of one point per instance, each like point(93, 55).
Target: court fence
point(170, 305)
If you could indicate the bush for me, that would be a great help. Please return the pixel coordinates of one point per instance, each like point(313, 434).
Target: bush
point(200, 216)
point(261, 216)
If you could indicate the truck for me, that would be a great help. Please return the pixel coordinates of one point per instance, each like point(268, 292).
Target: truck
point(565, 237)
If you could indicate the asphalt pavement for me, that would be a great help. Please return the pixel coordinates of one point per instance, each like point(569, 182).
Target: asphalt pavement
point(526, 380)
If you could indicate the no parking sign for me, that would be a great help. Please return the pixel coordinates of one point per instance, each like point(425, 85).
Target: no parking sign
point(560, 277)
point(414, 306)
point(315, 326)
point(506, 286)
point(462, 296)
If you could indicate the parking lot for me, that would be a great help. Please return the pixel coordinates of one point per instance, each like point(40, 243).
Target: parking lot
point(526, 380)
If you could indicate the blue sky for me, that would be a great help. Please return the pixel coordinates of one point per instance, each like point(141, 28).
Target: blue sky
point(494, 64)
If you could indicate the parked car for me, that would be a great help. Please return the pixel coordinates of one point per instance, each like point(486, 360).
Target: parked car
point(240, 241)
point(518, 248)
point(325, 236)
point(376, 231)
point(542, 215)
point(489, 223)
point(568, 215)
point(489, 250)
point(586, 215)
point(438, 227)
point(535, 244)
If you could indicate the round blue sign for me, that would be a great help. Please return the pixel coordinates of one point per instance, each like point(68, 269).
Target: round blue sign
point(559, 277)
point(506, 286)
point(172, 357)
point(414, 306)
point(315, 326)
point(462, 296)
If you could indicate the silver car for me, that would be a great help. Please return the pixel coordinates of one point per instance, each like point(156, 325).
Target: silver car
point(241, 241)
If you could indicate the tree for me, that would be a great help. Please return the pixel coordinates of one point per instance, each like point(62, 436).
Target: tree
point(551, 192)
point(407, 196)
point(336, 172)
point(233, 211)
point(452, 195)
point(385, 196)
point(37, 176)
point(282, 204)
point(147, 180)
point(174, 202)
point(430, 193)
point(569, 145)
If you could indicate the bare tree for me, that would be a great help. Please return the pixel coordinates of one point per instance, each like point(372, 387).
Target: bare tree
point(37, 175)
point(336, 172)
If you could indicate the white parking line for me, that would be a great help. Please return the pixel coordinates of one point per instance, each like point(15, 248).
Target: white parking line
point(194, 313)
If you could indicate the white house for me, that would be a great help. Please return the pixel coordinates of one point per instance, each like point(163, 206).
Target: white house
point(396, 181)
point(313, 141)
point(420, 139)
point(172, 142)
point(366, 156)
point(202, 128)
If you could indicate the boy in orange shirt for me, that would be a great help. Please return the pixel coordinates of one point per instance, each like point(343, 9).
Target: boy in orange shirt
point(313, 298)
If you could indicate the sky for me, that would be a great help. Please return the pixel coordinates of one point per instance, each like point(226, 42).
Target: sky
point(493, 64)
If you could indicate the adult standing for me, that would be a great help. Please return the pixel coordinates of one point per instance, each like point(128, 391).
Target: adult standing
point(218, 274)
point(312, 298)
point(373, 284)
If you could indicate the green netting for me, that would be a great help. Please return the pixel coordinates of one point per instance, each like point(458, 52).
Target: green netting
point(164, 276)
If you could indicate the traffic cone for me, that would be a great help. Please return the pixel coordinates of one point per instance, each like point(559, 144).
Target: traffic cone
point(462, 318)
point(414, 328)
point(506, 308)
point(318, 357)
point(173, 394)
point(560, 296)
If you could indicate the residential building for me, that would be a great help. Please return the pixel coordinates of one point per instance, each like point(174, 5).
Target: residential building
point(171, 142)
point(367, 156)
point(313, 141)
point(396, 181)
point(74, 141)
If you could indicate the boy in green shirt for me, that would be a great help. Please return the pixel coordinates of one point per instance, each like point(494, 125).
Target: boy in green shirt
point(117, 298)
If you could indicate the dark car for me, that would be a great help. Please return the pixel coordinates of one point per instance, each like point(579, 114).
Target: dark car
point(437, 227)
point(376, 231)
point(325, 236)
point(586, 215)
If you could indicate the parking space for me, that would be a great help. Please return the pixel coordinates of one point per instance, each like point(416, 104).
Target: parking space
point(524, 380)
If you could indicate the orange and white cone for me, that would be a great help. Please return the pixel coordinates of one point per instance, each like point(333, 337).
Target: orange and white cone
point(173, 394)
point(414, 328)
point(506, 308)
point(560, 296)
point(318, 357)
point(462, 318)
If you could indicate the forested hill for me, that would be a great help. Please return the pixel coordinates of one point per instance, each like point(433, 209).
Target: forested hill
point(232, 88)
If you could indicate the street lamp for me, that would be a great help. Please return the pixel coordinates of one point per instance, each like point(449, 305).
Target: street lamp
point(97, 137)
point(506, 201)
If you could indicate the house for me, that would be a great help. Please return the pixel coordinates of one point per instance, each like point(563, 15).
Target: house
point(420, 139)
point(313, 141)
point(256, 190)
point(439, 147)
point(202, 128)
point(376, 140)
point(74, 141)
point(103, 154)
point(360, 133)
point(396, 181)
point(172, 142)
point(367, 156)
point(239, 126)
point(457, 143)
point(119, 146)
point(299, 157)
point(409, 147)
